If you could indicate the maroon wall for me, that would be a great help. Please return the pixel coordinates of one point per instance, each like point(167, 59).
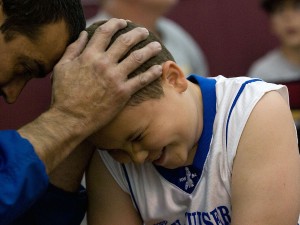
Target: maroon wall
point(231, 33)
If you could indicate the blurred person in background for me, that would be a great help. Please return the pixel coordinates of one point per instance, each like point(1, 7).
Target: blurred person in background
point(150, 14)
point(282, 64)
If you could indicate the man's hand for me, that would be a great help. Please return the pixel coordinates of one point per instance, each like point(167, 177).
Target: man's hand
point(93, 85)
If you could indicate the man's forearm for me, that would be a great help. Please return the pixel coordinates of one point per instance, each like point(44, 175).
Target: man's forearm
point(54, 135)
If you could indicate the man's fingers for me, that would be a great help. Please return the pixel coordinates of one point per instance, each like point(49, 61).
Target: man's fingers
point(126, 41)
point(138, 57)
point(74, 49)
point(136, 83)
point(103, 34)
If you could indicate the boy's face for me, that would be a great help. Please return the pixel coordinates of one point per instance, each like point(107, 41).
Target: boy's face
point(285, 22)
point(22, 59)
point(161, 131)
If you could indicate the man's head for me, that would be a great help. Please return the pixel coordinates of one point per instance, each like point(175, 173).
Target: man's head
point(33, 36)
point(27, 17)
point(285, 20)
point(157, 124)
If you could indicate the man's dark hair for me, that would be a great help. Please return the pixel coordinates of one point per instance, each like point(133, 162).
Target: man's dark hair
point(26, 17)
point(270, 6)
point(153, 90)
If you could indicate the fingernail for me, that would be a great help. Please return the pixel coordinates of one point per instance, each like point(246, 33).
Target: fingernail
point(157, 69)
point(144, 30)
point(83, 33)
point(124, 22)
point(156, 45)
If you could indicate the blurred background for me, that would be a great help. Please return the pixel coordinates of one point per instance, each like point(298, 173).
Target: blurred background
point(232, 34)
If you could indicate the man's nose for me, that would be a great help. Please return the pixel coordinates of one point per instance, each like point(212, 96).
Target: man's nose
point(12, 90)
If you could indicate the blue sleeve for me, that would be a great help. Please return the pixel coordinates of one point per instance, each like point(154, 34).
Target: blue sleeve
point(23, 177)
point(56, 207)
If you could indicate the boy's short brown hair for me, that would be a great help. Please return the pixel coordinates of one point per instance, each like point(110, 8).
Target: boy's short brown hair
point(153, 90)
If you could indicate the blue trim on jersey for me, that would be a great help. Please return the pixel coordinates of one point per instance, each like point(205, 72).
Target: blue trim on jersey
point(209, 98)
point(130, 188)
point(187, 177)
point(235, 101)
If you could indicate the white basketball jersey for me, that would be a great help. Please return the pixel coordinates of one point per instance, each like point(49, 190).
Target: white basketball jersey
point(199, 194)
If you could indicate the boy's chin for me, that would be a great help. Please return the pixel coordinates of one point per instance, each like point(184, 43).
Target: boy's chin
point(169, 164)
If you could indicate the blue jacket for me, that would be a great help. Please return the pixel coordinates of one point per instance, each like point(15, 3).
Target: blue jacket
point(26, 197)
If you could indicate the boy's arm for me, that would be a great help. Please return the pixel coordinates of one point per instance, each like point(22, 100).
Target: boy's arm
point(108, 203)
point(266, 171)
point(68, 174)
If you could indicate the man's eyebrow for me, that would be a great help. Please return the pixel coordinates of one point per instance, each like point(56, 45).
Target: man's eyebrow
point(37, 66)
point(41, 71)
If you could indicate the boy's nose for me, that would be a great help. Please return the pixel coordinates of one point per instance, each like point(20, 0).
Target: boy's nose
point(139, 157)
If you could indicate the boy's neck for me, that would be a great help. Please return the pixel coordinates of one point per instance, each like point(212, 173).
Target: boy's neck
point(191, 155)
point(196, 96)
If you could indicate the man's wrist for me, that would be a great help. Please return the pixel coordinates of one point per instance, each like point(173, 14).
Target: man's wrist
point(54, 135)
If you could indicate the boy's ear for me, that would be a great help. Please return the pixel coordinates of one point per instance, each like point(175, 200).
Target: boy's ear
point(173, 75)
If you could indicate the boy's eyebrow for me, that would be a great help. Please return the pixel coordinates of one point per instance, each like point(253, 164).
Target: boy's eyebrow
point(133, 135)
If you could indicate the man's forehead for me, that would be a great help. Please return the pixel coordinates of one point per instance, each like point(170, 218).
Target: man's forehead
point(51, 44)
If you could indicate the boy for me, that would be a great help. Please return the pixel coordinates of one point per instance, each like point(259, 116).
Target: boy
point(197, 151)
point(282, 64)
